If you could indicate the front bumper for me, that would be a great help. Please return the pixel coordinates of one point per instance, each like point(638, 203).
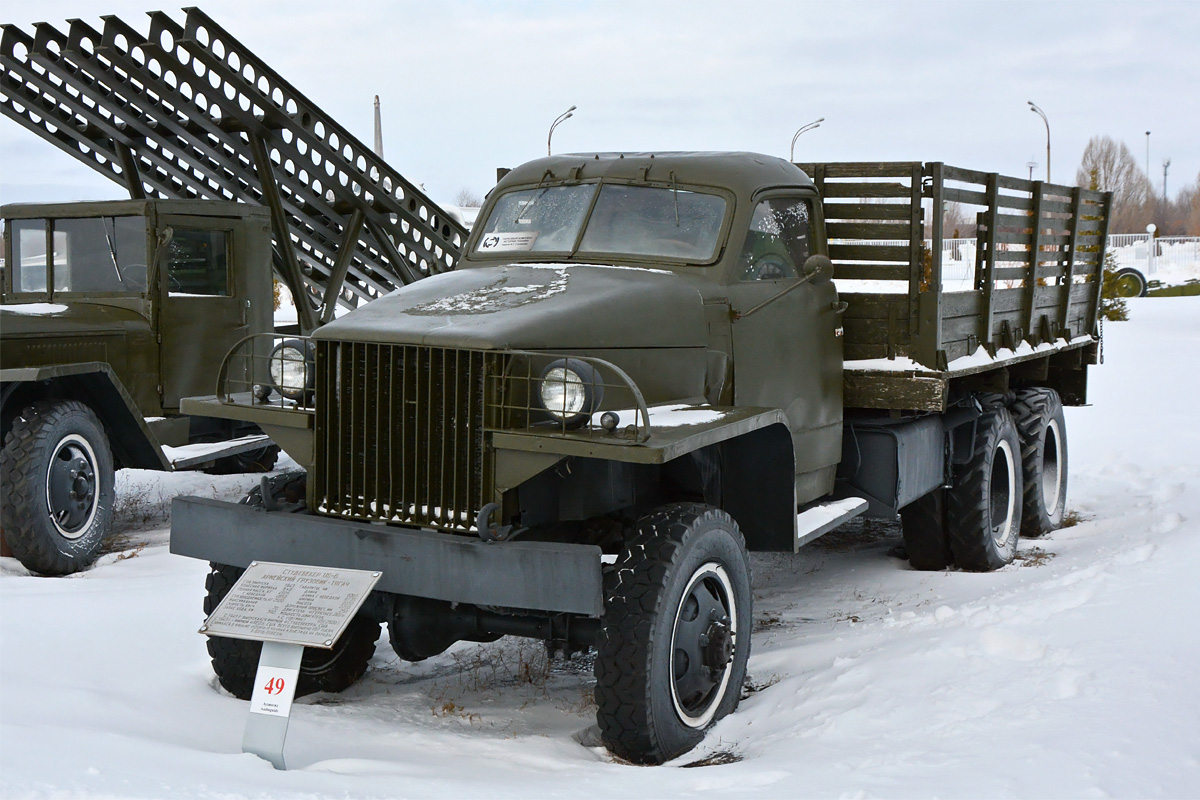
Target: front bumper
point(536, 576)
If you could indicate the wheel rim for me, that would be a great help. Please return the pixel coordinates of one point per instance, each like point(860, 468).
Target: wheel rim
point(1051, 471)
point(1129, 286)
point(72, 486)
point(703, 644)
point(1002, 496)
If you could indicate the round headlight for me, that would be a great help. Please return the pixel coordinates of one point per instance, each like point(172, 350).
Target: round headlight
point(570, 390)
point(292, 369)
point(562, 392)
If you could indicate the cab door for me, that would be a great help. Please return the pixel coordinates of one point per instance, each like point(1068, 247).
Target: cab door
point(786, 344)
point(206, 303)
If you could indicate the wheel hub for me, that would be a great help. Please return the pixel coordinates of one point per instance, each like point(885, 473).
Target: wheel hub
point(704, 643)
point(718, 649)
point(71, 487)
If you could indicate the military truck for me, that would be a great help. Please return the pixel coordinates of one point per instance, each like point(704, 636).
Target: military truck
point(641, 369)
point(110, 313)
point(113, 312)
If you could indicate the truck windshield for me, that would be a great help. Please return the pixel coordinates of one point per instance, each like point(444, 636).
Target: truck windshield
point(539, 220)
point(640, 221)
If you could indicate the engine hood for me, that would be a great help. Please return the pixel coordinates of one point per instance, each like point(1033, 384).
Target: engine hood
point(533, 307)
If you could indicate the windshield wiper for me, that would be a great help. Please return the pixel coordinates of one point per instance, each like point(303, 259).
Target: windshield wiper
point(675, 195)
point(531, 201)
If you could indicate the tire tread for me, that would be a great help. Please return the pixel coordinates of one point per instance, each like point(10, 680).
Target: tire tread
point(20, 512)
point(634, 590)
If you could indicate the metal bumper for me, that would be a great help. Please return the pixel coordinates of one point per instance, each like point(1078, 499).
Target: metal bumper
point(538, 576)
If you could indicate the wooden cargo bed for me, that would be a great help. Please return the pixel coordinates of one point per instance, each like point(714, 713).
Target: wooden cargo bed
point(1032, 290)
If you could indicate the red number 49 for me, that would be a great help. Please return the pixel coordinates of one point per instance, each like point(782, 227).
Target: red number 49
point(274, 686)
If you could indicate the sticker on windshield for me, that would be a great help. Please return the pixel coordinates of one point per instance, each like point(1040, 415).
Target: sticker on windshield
point(504, 242)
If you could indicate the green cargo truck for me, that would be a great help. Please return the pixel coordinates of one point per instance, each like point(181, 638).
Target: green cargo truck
point(641, 370)
point(110, 313)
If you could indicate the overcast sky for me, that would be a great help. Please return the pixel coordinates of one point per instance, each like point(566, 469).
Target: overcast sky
point(470, 86)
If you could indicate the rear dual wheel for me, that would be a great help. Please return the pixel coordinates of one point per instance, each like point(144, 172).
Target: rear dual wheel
point(1038, 414)
point(983, 507)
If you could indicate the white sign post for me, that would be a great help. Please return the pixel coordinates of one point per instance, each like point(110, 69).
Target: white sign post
point(287, 607)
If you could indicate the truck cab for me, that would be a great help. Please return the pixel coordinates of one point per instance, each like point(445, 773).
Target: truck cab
point(110, 313)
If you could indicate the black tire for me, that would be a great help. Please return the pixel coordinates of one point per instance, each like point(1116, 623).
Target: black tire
point(983, 507)
point(1042, 428)
point(56, 468)
point(288, 491)
point(236, 660)
point(663, 676)
point(1129, 282)
point(260, 460)
point(923, 522)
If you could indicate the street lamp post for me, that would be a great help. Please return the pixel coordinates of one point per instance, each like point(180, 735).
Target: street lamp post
point(808, 127)
point(1033, 107)
point(1147, 155)
point(561, 118)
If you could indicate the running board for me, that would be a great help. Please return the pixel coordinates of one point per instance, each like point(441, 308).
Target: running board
point(195, 455)
point(816, 521)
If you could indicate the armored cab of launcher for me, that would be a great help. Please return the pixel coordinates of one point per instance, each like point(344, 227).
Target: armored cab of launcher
point(110, 313)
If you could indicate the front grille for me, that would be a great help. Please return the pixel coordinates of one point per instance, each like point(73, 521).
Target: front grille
point(400, 432)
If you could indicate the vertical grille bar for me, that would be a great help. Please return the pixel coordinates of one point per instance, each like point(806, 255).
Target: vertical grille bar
point(399, 432)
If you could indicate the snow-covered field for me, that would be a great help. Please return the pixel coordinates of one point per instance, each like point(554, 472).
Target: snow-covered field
point(1072, 673)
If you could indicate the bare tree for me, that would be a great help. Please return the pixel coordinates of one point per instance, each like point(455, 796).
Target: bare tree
point(467, 199)
point(956, 223)
point(1108, 165)
point(1190, 200)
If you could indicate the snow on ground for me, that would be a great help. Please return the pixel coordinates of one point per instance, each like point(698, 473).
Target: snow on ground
point(1071, 673)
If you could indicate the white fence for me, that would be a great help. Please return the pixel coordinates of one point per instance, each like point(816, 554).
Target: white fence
point(1171, 259)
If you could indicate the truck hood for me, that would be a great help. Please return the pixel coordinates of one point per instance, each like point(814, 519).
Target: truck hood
point(533, 307)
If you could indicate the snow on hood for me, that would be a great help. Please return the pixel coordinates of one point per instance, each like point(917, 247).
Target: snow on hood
point(532, 307)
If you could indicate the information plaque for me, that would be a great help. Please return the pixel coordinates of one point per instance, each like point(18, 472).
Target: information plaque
point(287, 607)
point(291, 604)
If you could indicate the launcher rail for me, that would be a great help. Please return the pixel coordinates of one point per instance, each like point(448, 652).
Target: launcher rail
point(187, 111)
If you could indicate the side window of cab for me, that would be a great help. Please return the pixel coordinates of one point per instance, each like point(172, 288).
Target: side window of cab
point(91, 255)
point(28, 256)
point(779, 240)
point(198, 263)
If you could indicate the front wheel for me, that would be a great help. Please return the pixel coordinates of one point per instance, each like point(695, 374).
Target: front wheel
point(236, 660)
point(56, 468)
point(261, 460)
point(675, 635)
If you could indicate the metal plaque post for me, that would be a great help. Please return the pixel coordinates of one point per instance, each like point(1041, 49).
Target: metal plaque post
point(287, 607)
point(271, 705)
